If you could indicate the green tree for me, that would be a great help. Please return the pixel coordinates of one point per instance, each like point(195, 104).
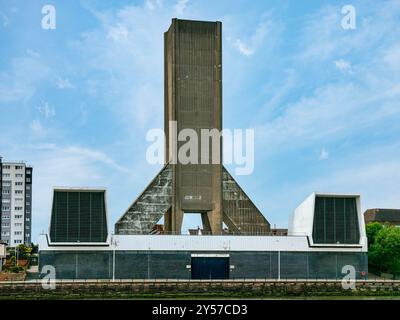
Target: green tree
point(24, 250)
point(384, 253)
point(372, 230)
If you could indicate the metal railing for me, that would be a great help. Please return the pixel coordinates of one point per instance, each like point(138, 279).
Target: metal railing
point(168, 281)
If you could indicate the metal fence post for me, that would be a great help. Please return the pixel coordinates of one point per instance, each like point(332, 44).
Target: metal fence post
point(279, 265)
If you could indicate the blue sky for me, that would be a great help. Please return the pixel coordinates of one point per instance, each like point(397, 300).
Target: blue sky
point(76, 102)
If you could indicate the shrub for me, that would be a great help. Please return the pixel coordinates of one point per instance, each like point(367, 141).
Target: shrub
point(384, 252)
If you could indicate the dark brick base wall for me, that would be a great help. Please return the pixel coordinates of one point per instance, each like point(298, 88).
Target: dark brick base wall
point(173, 265)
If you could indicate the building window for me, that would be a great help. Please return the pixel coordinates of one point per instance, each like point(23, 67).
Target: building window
point(28, 171)
point(27, 219)
point(19, 183)
point(18, 224)
point(17, 233)
point(6, 208)
point(6, 217)
point(28, 179)
point(18, 216)
point(6, 191)
point(6, 183)
point(6, 175)
point(18, 208)
point(5, 233)
point(6, 200)
point(6, 167)
point(17, 241)
point(18, 191)
point(28, 187)
point(6, 224)
point(18, 167)
point(19, 175)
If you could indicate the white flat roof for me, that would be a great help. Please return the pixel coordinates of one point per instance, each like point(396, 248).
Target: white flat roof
point(331, 194)
point(199, 244)
point(79, 189)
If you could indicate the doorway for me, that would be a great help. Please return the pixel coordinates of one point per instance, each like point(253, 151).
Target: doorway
point(210, 267)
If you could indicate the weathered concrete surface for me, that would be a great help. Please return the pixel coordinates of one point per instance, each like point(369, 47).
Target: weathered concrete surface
point(193, 100)
point(240, 214)
point(149, 207)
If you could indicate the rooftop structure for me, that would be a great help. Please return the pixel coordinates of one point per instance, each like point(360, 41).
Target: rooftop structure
point(193, 100)
point(390, 216)
point(326, 232)
point(78, 215)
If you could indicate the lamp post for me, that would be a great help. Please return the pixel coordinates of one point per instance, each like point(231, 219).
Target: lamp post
point(16, 256)
point(114, 243)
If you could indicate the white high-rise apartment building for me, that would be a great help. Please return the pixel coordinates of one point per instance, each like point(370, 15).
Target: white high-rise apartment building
point(16, 203)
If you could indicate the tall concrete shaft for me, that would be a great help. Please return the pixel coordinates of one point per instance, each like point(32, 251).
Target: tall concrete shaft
point(193, 100)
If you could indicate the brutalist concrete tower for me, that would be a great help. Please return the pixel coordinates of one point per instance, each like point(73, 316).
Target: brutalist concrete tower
point(193, 100)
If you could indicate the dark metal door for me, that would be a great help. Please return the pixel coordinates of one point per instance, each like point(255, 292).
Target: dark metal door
point(210, 268)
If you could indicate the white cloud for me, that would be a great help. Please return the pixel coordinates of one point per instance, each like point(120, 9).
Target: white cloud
point(46, 110)
point(324, 155)
point(317, 34)
point(129, 66)
point(72, 166)
point(63, 83)
point(323, 38)
point(118, 33)
point(94, 156)
point(338, 109)
point(33, 53)
point(278, 90)
point(249, 46)
point(4, 19)
point(181, 6)
point(243, 49)
point(343, 65)
point(375, 181)
point(37, 128)
point(353, 115)
point(392, 56)
point(153, 4)
point(83, 114)
point(330, 114)
point(21, 81)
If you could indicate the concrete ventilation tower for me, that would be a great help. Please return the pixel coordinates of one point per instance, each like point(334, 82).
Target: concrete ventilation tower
point(193, 99)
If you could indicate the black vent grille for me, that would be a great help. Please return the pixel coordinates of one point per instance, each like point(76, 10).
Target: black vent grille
point(78, 216)
point(335, 220)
